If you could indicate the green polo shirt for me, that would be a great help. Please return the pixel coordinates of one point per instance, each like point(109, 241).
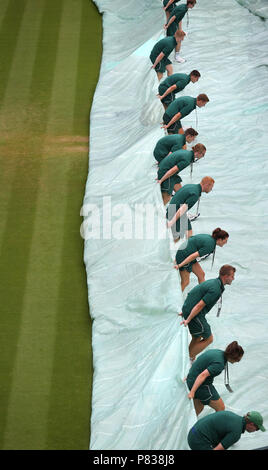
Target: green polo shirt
point(178, 79)
point(213, 360)
point(180, 158)
point(188, 194)
point(169, 143)
point(223, 427)
point(165, 45)
point(184, 105)
point(179, 12)
point(208, 291)
point(203, 243)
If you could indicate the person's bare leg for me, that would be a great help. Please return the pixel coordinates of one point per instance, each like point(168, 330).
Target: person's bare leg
point(169, 69)
point(177, 187)
point(198, 405)
point(178, 46)
point(189, 233)
point(217, 405)
point(166, 197)
point(198, 271)
point(185, 279)
point(197, 345)
point(159, 75)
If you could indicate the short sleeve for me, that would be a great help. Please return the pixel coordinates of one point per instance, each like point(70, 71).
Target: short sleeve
point(211, 297)
point(215, 368)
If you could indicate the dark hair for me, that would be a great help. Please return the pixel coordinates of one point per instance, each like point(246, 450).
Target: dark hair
point(219, 233)
point(191, 131)
point(195, 73)
point(226, 269)
point(234, 351)
point(199, 148)
point(203, 97)
point(193, 2)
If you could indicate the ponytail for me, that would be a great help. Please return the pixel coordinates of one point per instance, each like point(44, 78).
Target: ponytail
point(234, 351)
point(219, 233)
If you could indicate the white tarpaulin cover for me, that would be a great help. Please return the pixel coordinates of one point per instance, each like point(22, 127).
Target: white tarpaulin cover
point(140, 351)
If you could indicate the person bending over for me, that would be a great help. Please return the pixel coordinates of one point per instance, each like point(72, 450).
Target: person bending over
point(175, 83)
point(160, 52)
point(181, 202)
point(219, 431)
point(197, 246)
point(203, 371)
point(179, 109)
point(175, 22)
point(171, 143)
point(198, 303)
point(170, 167)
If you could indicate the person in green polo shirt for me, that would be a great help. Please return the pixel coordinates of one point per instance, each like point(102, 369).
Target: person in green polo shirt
point(175, 83)
point(173, 164)
point(171, 143)
point(169, 5)
point(160, 52)
point(219, 431)
point(203, 371)
point(197, 246)
point(175, 22)
point(178, 109)
point(198, 303)
point(181, 202)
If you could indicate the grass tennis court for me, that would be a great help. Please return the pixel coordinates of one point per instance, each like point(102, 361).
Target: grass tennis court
point(51, 53)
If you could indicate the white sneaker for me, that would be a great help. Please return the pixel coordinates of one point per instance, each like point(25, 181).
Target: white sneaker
point(179, 59)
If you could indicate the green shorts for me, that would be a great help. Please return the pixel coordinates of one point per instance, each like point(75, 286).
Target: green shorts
point(172, 28)
point(169, 98)
point(188, 267)
point(168, 184)
point(198, 326)
point(204, 393)
point(174, 128)
point(161, 66)
point(179, 229)
point(198, 442)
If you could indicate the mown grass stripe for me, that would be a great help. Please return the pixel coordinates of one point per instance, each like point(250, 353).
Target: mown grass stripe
point(88, 63)
point(22, 211)
point(11, 22)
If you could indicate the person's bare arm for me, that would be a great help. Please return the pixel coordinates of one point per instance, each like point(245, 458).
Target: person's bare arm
point(158, 59)
point(170, 22)
point(175, 118)
point(198, 381)
point(168, 4)
point(168, 174)
point(189, 259)
point(178, 214)
point(219, 447)
point(167, 92)
point(195, 311)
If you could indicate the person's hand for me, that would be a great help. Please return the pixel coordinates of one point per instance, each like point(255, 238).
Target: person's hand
point(159, 96)
point(169, 224)
point(177, 267)
point(184, 322)
point(164, 126)
point(191, 395)
point(158, 181)
point(180, 314)
point(153, 66)
point(165, 26)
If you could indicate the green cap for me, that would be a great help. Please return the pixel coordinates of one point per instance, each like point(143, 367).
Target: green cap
point(256, 418)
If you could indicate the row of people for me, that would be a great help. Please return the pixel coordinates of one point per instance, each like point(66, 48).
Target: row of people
point(219, 430)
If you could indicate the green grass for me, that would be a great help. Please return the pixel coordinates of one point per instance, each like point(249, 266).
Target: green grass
point(52, 53)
